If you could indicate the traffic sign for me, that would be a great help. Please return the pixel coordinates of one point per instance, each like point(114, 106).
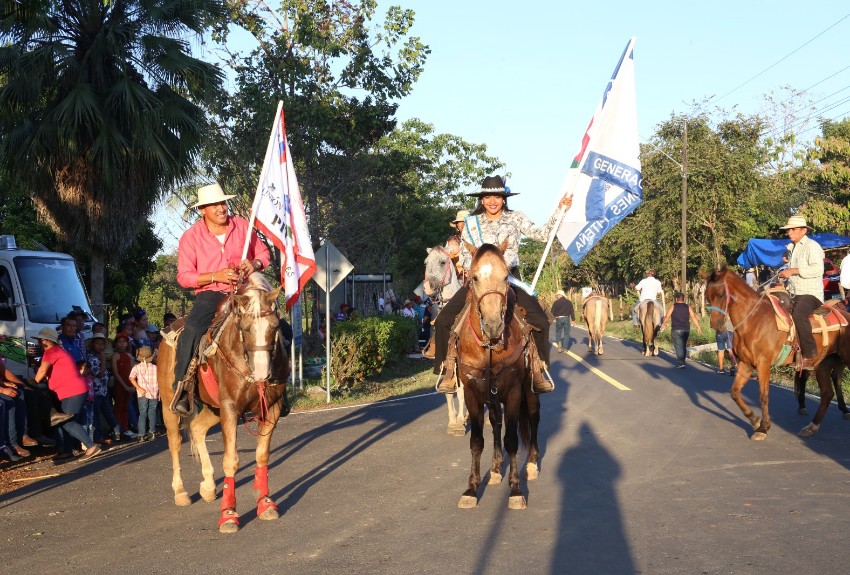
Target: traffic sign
point(331, 266)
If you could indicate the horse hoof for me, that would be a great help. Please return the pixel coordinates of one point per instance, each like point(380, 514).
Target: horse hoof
point(809, 430)
point(467, 502)
point(804, 411)
point(495, 478)
point(531, 472)
point(756, 422)
point(460, 432)
point(182, 499)
point(229, 526)
point(517, 502)
point(208, 495)
point(269, 514)
point(759, 436)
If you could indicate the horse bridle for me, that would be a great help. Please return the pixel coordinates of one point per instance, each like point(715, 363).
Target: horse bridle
point(725, 311)
point(246, 349)
point(447, 276)
point(504, 307)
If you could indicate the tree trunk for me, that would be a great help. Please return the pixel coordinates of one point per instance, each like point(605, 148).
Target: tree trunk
point(97, 265)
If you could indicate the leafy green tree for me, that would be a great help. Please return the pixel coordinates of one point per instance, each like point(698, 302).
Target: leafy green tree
point(828, 206)
point(337, 69)
point(101, 112)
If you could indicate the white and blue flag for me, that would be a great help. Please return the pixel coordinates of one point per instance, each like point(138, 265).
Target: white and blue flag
point(605, 177)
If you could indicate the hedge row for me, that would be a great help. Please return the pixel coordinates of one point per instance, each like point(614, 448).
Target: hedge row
point(364, 346)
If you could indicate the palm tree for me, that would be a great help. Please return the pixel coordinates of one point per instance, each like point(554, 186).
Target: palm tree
point(102, 111)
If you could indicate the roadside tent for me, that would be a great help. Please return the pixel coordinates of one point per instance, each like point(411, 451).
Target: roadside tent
point(762, 252)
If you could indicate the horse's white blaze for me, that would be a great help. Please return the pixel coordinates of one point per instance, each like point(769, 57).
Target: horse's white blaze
point(262, 359)
point(485, 271)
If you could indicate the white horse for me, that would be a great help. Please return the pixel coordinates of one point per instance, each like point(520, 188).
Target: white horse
point(440, 284)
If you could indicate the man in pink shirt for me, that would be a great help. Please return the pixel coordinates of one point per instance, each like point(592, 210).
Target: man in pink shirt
point(208, 260)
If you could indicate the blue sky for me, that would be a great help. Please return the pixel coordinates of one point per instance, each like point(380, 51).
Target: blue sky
point(524, 77)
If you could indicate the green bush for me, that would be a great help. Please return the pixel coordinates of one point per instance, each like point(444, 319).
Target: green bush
point(363, 346)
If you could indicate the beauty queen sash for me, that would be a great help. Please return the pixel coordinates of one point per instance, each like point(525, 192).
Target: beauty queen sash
point(472, 234)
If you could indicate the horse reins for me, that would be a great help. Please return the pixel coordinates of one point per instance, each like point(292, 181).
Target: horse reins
point(447, 276)
point(729, 299)
point(504, 306)
point(271, 347)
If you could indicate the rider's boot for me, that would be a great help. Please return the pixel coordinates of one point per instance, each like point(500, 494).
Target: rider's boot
point(180, 402)
point(448, 381)
point(539, 383)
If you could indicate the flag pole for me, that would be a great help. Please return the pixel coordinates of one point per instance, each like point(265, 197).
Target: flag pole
point(561, 213)
point(260, 182)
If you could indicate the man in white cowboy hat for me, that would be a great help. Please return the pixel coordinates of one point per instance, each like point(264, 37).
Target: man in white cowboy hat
point(805, 284)
point(458, 222)
point(209, 260)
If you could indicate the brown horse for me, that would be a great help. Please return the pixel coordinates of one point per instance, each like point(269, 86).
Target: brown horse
point(758, 344)
point(595, 310)
point(494, 367)
point(649, 317)
point(250, 363)
point(836, 372)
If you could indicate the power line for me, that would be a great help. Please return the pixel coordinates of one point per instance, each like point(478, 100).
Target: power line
point(782, 59)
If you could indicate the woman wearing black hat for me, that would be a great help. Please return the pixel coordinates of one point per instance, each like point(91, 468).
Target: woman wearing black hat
point(492, 222)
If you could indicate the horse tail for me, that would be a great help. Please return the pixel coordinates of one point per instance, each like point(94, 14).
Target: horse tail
point(647, 320)
point(597, 321)
point(524, 422)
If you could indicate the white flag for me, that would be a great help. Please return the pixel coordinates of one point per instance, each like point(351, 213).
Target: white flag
point(278, 213)
point(605, 176)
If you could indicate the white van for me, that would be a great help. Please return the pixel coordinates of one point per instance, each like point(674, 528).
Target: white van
point(37, 289)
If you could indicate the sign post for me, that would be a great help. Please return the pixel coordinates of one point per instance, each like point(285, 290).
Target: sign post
point(331, 268)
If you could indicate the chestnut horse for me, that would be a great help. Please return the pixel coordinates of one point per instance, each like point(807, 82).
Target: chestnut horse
point(649, 317)
point(494, 368)
point(440, 284)
point(595, 310)
point(836, 371)
point(251, 366)
point(758, 345)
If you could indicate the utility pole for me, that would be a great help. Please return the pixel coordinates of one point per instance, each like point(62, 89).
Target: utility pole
point(684, 171)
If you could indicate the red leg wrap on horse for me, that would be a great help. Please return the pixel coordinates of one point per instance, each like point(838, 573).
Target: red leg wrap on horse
point(263, 504)
point(228, 494)
point(261, 482)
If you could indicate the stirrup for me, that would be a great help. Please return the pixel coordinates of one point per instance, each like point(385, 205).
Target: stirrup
point(541, 380)
point(180, 403)
point(443, 379)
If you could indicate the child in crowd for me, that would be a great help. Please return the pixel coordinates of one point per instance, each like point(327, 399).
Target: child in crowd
point(122, 363)
point(143, 378)
point(96, 358)
point(86, 415)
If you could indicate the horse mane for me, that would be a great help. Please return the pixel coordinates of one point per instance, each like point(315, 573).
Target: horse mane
point(254, 282)
point(487, 249)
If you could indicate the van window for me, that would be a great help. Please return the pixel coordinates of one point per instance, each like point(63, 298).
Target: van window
point(7, 296)
point(51, 287)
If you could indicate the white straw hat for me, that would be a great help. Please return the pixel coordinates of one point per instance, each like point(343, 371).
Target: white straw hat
point(795, 222)
point(211, 194)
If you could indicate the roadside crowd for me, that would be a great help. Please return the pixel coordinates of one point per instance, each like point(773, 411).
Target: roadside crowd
point(87, 393)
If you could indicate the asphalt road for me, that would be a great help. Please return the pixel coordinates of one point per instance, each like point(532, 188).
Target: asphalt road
point(659, 478)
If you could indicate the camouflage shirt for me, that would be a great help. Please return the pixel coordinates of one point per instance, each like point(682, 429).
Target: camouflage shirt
point(511, 225)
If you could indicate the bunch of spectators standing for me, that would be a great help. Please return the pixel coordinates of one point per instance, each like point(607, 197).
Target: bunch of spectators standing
point(87, 392)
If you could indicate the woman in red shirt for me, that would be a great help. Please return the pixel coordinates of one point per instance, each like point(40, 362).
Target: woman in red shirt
point(65, 380)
